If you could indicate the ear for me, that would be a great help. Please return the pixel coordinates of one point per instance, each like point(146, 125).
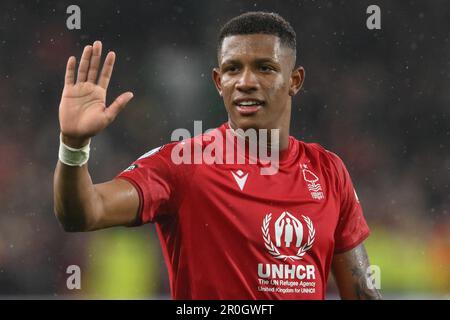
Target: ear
point(217, 80)
point(297, 78)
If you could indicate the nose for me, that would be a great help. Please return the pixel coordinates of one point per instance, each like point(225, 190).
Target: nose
point(247, 81)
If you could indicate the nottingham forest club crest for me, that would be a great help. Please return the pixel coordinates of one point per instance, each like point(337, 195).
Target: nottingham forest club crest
point(292, 237)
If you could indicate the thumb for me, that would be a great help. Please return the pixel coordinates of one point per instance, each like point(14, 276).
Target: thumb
point(113, 110)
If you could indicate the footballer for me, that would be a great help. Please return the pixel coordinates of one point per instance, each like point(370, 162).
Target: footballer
point(226, 230)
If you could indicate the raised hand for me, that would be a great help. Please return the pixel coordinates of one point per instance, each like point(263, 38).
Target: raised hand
point(82, 110)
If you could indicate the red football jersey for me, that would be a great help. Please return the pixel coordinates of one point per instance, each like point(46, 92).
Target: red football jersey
point(228, 232)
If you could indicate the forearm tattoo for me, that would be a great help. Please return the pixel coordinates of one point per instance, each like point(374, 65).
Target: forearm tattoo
point(361, 277)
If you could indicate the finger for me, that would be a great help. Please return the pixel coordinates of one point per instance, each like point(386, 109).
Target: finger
point(84, 64)
point(70, 71)
point(95, 62)
point(107, 69)
point(113, 110)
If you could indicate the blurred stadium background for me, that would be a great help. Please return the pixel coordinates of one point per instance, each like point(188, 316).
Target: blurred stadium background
point(380, 99)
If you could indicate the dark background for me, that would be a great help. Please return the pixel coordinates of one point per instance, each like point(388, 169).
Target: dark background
point(378, 98)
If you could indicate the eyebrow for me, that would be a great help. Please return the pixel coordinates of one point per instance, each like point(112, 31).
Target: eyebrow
point(257, 61)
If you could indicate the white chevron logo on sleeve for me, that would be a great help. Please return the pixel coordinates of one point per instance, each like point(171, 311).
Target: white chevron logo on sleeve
point(240, 178)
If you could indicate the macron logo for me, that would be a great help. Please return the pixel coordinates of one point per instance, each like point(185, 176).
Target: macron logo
point(240, 178)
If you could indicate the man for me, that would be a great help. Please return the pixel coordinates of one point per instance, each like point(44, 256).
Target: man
point(217, 222)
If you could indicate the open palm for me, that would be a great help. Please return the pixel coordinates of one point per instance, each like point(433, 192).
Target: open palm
point(82, 110)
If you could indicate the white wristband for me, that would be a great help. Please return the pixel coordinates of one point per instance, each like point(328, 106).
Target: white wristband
point(71, 156)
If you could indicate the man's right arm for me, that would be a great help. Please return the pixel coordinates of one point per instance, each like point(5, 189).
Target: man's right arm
point(79, 204)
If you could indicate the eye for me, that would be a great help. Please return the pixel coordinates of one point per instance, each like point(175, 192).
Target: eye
point(266, 68)
point(231, 69)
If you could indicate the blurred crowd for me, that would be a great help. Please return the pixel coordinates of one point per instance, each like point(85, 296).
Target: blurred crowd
point(378, 98)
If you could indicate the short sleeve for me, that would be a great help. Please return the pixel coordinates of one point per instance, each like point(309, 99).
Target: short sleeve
point(352, 228)
point(153, 176)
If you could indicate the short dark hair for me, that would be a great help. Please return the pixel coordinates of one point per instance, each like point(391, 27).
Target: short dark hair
point(256, 22)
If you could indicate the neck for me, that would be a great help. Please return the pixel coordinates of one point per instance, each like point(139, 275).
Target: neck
point(283, 135)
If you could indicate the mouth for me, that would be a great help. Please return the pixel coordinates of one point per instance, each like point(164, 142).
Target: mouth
point(248, 106)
